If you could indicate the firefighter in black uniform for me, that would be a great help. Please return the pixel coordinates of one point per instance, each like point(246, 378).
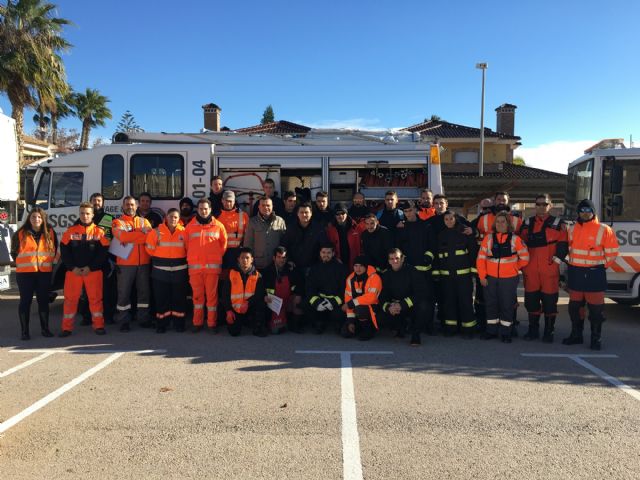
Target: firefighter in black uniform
point(455, 266)
point(376, 242)
point(402, 297)
point(413, 238)
point(324, 289)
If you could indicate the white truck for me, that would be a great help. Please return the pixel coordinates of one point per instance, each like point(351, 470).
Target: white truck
point(173, 166)
point(610, 177)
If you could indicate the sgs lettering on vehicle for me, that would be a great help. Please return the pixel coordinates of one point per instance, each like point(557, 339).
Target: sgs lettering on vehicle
point(199, 172)
point(628, 237)
point(62, 220)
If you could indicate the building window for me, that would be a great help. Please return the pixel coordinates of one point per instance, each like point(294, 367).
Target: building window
point(159, 174)
point(112, 177)
point(66, 189)
point(465, 157)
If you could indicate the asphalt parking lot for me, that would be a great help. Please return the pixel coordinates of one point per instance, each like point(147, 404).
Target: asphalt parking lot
point(300, 406)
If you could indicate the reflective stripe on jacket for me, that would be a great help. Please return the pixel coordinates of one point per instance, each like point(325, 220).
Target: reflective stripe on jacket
point(206, 245)
point(235, 224)
point(488, 264)
point(365, 295)
point(592, 243)
point(241, 292)
point(32, 256)
point(128, 229)
point(168, 250)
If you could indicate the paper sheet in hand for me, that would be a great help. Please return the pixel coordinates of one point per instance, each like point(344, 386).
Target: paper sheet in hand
point(120, 250)
point(275, 305)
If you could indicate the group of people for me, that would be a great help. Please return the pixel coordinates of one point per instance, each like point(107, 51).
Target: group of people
point(412, 266)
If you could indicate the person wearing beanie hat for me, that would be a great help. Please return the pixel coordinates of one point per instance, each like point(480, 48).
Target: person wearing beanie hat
point(361, 293)
point(344, 234)
point(593, 247)
point(235, 223)
point(186, 211)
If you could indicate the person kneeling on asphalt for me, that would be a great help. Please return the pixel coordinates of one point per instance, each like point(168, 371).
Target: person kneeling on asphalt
point(402, 297)
point(242, 296)
point(279, 281)
point(361, 294)
point(324, 290)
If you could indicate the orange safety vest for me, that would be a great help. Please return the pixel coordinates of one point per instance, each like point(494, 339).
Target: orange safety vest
point(592, 243)
point(241, 293)
point(206, 245)
point(33, 257)
point(426, 213)
point(487, 220)
point(128, 229)
point(508, 266)
point(235, 224)
point(366, 295)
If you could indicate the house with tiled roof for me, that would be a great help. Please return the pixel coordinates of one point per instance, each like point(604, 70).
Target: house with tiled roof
point(460, 152)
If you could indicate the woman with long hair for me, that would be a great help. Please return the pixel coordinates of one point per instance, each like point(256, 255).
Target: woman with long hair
point(502, 255)
point(34, 248)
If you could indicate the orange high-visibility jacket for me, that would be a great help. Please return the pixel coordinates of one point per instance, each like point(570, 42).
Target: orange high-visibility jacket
point(241, 292)
point(487, 220)
point(128, 229)
point(161, 243)
point(356, 294)
point(490, 264)
point(543, 235)
point(592, 243)
point(32, 256)
point(426, 213)
point(206, 245)
point(235, 224)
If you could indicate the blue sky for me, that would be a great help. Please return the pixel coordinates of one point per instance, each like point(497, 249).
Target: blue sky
point(572, 67)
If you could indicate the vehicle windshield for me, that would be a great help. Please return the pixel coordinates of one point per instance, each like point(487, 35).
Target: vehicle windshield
point(625, 205)
point(579, 183)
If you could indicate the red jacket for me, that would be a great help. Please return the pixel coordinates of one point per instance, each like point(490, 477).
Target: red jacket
point(353, 239)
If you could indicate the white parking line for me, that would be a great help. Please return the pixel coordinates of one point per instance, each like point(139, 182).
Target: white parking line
point(352, 465)
point(7, 424)
point(6, 373)
point(580, 360)
point(82, 352)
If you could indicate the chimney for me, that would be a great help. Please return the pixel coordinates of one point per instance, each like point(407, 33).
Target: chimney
point(211, 117)
point(505, 119)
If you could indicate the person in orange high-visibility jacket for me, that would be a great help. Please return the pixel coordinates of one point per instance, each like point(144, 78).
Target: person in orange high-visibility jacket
point(135, 268)
point(206, 244)
point(83, 249)
point(167, 246)
point(362, 289)
point(426, 209)
point(34, 247)
point(546, 239)
point(235, 223)
point(501, 257)
point(242, 296)
point(593, 248)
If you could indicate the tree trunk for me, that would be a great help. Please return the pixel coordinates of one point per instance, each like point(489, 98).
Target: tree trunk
point(84, 139)
point(54, 129)
point(17, 113)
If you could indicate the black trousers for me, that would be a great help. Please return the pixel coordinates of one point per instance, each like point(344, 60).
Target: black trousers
point(458, 302)
point(30, 283)
point(171, 298)
point(501, 296)
point(322, 320)
point(255, 318)
point(412, 320)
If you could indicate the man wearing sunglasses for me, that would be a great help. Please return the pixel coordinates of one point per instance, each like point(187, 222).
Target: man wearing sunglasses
point(593, 248)
point(546, 238)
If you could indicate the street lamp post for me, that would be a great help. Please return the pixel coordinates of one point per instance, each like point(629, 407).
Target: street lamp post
point(483, 67)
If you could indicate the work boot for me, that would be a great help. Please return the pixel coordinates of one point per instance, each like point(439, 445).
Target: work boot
point(596, 318)
point(506, 339)
point(549, 327)
point(100, 331)
point(577, 325)
point(44, 324)
point(415, 340)
point(196, 328)
point(64, 333)
point(534, 328)
point(161, 325)
point(24, 326)
point(295, 324)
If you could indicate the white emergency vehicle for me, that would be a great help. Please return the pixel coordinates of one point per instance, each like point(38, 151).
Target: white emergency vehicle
point(173, 166)
point(610, 177)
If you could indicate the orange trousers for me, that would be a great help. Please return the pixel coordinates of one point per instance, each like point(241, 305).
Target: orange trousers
point(204, 283)
point(73, 289)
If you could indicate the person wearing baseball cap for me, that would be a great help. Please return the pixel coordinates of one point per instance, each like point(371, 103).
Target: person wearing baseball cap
point(235, 223)
point(344, 234)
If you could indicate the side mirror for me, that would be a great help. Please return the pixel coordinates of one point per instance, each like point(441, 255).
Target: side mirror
point(28, 191)
point(617, 177)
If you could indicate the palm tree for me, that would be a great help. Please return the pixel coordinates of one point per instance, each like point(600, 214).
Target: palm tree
point(30, 48)
point(61, 109)
point(91, 108)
